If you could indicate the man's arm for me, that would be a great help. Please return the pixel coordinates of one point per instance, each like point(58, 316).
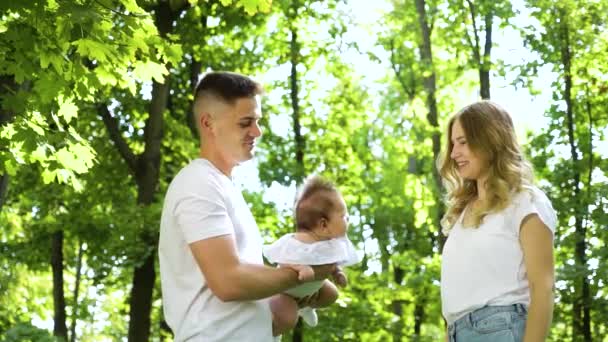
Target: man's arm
point(230, 279)
point(537, 244)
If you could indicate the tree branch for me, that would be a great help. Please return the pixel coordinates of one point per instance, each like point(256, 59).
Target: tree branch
point(475, 47)
point(195, 69)
point(410, 91)
point(488, 44)
point(111, 124)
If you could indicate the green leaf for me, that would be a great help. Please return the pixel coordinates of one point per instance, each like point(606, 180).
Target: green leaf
point(10, 166)
point(44, 60)
point(93, 49)
point(144, 71)
point(36, 124)
point(85, 156)
point(174, 52)
point(105, 77)
point(66, 158)
point(77, 184)
point(48, 175)
point(131, 6)
point(75, 158)
point(254, 6)
point(67, 109)
point(8, 130)
point(39, 153)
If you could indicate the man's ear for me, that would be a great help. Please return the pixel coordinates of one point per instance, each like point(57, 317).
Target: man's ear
point(205, 121)
point(323, 222)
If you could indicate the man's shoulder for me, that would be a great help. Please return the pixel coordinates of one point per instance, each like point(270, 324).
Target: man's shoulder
point(197, 176)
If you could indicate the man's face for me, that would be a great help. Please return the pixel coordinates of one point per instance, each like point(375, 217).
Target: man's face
point(236, 130)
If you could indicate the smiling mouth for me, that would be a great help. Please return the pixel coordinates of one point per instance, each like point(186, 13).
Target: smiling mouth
point(462, 164)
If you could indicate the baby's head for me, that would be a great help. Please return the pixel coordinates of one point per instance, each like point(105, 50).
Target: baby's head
point(320, 209)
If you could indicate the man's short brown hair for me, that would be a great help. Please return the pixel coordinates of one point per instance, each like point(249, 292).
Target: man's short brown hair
point(225, 87)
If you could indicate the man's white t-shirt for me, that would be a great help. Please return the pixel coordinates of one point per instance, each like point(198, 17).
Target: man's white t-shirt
point(202, 203)
point(485, 265)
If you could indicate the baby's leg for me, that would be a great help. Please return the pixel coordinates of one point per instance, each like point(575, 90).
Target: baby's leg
point(284, 313)
point(328, 294)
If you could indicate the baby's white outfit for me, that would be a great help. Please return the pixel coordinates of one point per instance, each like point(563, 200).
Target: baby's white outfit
point(289, 250)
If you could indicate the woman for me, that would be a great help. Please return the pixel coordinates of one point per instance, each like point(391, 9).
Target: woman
point(497, 272)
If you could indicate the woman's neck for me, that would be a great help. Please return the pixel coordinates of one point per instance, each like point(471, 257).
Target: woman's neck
point(481, 188)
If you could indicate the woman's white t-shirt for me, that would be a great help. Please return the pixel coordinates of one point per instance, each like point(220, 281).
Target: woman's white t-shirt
point(485, 265)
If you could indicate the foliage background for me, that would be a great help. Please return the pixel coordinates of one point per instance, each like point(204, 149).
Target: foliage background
point(95, 121)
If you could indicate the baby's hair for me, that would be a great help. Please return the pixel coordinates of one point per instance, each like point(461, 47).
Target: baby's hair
point(314, 202)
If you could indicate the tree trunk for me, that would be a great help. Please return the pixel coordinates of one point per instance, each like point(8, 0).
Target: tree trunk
point(430, 87)
point(59, 328)
point(147, 171)
point(3, 189)
point(483, 62)
point(419, 316)
point(581, 307)
point(397, 306)
point(140, 300)
point(76, 291)
point(294, 49)
point(485, 65)
point(295, 105)
point(7, 85)
point(147, 177)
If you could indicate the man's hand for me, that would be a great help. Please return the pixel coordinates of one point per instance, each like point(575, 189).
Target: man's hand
point(324, 271)
point(305, 272)
point(311, 273)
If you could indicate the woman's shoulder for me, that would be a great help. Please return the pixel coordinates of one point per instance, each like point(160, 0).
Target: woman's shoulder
point(533, 200)
point(530, 194)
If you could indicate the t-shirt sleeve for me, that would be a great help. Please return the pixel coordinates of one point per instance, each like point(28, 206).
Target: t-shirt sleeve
point(534, 201)
point(202, 214)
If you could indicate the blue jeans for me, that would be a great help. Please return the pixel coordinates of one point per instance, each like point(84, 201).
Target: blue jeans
point(491, 324)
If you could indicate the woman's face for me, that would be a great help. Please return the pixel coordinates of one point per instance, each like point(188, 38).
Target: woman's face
point(469, 164)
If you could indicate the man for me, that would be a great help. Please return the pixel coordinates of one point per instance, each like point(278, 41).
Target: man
point(214, 283)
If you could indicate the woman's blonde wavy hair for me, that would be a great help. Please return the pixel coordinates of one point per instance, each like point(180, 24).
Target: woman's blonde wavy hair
point(489, 133)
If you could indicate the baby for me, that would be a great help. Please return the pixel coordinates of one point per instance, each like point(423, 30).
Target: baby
point(320, 238)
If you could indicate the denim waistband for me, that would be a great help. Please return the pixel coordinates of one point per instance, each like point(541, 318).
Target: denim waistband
point(469, 319)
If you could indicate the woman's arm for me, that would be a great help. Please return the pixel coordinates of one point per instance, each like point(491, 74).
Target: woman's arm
point(537, 245)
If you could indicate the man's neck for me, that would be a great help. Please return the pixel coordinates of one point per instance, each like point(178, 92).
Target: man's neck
point(217, 161)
